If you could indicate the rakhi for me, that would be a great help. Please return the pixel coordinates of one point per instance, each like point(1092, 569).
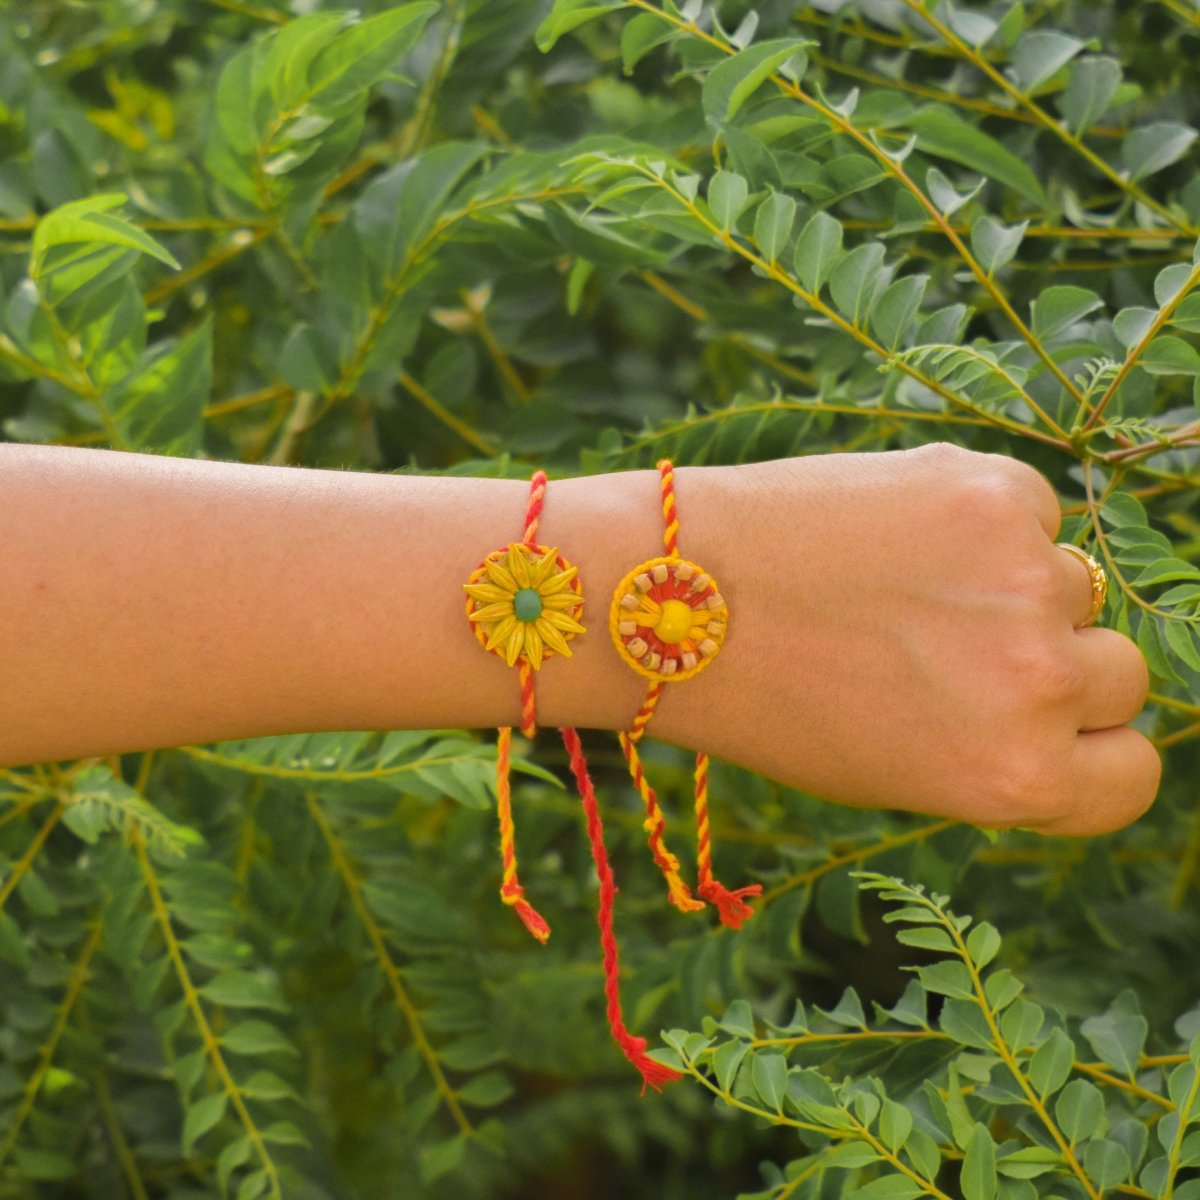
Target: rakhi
point(667, 620)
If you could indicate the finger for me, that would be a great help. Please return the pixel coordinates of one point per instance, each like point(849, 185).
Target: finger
point(1040, 493)
point(1116, 679)
point(1115, 778)
point(1077, 577)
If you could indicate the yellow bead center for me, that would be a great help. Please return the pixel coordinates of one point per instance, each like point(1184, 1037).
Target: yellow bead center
point(674, 622)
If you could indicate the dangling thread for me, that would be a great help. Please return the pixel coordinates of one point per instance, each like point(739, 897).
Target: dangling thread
point(667, 863)
point(654, 1074)
point(511, 891)
point(732, 908)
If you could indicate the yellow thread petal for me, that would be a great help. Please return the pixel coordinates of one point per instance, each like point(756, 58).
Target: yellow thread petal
point(562, 621)
point(487, 592)
point(492, 612)
point(501, 576)
point(518, 564)
point(512, 647)
point(533, 647)
point(502, 630)
point(553, 638)
point(540, 571)
point(562, 601)
point(556, 583)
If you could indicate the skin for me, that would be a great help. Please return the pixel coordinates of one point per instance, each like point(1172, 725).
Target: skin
point(902, 628)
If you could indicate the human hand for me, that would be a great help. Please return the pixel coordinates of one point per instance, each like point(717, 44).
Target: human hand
point(903, 634)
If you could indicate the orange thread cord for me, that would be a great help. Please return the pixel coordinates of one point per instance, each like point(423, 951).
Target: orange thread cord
point(511, 891)
point(732, 908)
point(654, 1074)
point(731, 905)
point(654, 825)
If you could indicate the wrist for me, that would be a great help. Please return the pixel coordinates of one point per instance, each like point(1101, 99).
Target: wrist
point(606, 524)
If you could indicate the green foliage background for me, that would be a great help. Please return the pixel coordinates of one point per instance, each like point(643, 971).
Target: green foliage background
point(483, 235)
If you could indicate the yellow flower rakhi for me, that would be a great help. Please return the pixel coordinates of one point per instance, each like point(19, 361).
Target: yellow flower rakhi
point(523, 600)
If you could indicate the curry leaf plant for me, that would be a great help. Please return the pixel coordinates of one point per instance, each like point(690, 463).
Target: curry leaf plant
point(483, 236)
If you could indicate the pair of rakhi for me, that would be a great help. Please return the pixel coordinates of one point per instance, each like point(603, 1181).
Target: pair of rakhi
point(668, 621)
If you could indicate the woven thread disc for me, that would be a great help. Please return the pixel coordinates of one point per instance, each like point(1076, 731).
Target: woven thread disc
point(539, 583)
point(668, 619)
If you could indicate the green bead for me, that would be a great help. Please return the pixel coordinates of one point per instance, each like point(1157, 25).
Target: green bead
point(527, 604)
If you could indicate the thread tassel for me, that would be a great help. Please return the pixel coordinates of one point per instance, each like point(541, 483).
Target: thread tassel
point(654, 1074)
point(731, 906)
point(654, 826)
point(511, 891)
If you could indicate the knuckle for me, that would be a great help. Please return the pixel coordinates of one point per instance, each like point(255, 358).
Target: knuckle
point(1043, 673)
point(985, 499)
point(1028, 787)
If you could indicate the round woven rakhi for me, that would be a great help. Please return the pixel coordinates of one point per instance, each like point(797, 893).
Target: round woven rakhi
point(524, 602)
point(668, 621)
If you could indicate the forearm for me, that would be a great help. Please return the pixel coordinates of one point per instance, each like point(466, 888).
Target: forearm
point(153, 601)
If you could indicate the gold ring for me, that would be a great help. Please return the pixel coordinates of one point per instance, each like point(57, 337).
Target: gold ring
point(1098, 579)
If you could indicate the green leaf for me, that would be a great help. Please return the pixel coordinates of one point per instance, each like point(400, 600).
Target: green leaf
point(641, 35)
point(256, 1037)
point(983, 944)
point(243, 989)
point(34, 1164)
point(889, 1187)
point(726, 1059)
point(89, 221)
point(854, 281)
point(442, 1157)
point(1131, 325)
point(1117, 1036)
point(964, 1021)
point(1182, 638)
point(727, 194)
point(769, 1073)
point(1041, 53)
point(1089, 92)
point(773, 224)
point(1169, 355)
point(1050, 1064)
point(1152, 147)
point(486, 1090)
point(233, 1155)
point(361, 55)
point(201, 1117)
point(1058, 308)
point(978, 1178)
point(995, 245)
point(1021, 1023)
point(159, 407)
point(945, 135)
point(732, 81)
point(895, 1124)
point(397, 210)
point(932, 937)
point(1001, 988)
point(739, 1020)
point(567, 15)
point(818, 249)
point(1107, 1163)
point(895, 312)
point(947, 979)
point(1080, 1111)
